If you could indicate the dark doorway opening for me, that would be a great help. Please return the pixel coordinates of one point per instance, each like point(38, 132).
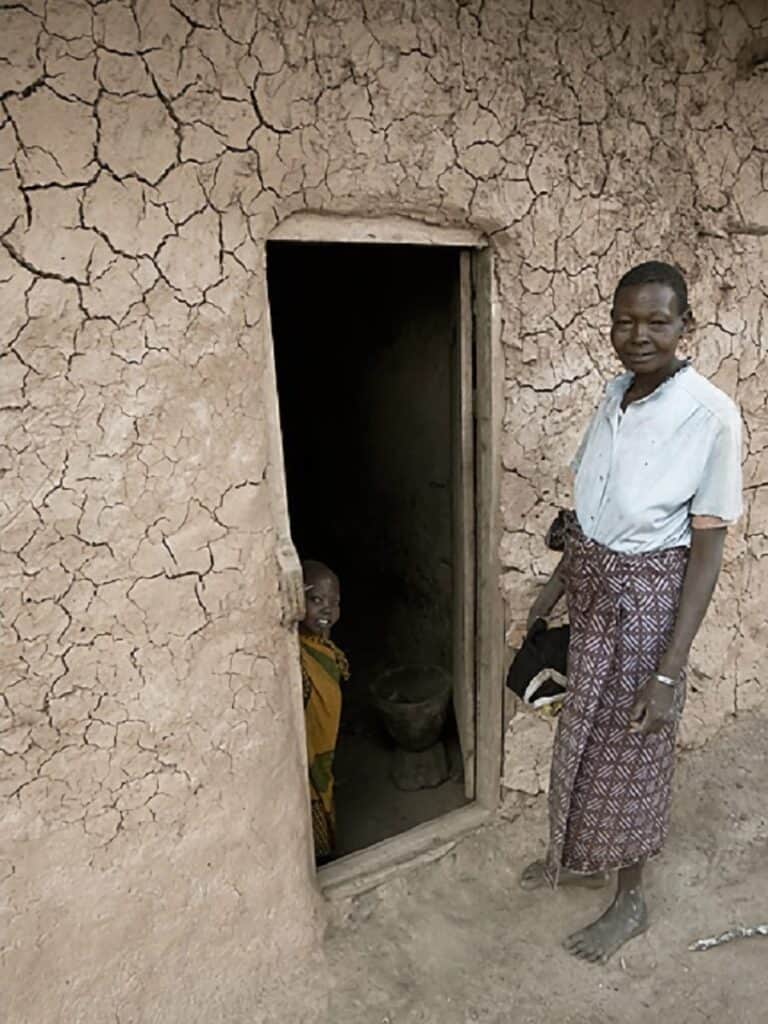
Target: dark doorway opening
point(367, 341)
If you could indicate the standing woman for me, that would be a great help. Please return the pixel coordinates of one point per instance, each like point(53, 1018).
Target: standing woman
point(658, 481)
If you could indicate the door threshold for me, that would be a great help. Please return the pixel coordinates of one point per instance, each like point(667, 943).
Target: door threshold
point(360, 872)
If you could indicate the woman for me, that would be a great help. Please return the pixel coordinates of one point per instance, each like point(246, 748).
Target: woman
point(658, 480)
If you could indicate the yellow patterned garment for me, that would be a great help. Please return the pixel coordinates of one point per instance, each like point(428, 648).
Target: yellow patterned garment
point(323, 667)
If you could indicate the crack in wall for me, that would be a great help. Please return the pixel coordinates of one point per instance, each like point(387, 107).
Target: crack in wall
point(146, 150)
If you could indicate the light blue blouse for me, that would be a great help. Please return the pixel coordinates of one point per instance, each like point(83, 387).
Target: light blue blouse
point(642, 474)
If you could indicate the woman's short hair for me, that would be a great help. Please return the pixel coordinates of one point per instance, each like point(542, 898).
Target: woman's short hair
point(655, 272)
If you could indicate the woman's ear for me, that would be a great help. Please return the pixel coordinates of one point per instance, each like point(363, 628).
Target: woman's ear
point(686, 335)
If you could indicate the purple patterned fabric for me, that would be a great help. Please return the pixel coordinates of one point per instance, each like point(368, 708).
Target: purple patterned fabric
point(610, 788)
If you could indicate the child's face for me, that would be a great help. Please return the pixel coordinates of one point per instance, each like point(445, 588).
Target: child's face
point(647, 327)
point(322, 602)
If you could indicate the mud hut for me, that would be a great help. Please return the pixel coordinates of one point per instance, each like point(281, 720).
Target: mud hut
point(326, 274)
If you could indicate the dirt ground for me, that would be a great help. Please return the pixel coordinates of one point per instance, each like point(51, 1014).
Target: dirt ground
point(369, 807)
point(457, 941)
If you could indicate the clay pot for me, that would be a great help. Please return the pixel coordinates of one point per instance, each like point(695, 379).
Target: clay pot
point(412, 703)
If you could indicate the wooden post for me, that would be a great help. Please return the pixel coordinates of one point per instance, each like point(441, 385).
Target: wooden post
point(489, 381)
point(463, 487)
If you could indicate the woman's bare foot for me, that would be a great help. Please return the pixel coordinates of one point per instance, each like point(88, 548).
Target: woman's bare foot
point(534, 877)
point(626, 917)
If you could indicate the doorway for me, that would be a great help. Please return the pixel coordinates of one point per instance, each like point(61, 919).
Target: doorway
point(373, 349)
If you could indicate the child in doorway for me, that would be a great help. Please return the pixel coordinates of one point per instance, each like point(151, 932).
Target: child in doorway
point(323, 667)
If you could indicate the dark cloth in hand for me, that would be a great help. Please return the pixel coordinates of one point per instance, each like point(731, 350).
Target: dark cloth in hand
point(537, 673)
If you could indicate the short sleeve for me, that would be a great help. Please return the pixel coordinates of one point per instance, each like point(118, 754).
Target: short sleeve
point(575, 462)
point(719, 491)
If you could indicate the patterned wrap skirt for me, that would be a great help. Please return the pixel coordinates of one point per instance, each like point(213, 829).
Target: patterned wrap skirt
point(609, 788)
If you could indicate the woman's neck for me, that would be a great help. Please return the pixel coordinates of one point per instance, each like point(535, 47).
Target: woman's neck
point(642, 386)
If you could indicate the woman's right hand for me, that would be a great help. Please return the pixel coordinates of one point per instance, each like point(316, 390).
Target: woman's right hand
point(540, 609)
point(547, 597)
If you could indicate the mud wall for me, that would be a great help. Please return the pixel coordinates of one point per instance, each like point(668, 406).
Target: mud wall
point(152, 864)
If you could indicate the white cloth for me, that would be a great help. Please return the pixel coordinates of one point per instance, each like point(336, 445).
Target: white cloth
point(642, 474)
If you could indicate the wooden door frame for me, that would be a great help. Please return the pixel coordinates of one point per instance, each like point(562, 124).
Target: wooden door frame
point(367, 868)
point(464, 521)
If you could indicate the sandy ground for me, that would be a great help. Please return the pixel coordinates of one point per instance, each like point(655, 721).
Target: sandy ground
point(458, 942)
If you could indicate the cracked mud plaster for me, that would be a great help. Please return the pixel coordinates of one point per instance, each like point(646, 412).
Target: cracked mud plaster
point(154, 844)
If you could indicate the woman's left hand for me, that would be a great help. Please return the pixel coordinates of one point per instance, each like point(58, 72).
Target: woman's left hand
point(654, 707)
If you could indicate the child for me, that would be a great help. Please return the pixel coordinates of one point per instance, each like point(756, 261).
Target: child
point(323, 667)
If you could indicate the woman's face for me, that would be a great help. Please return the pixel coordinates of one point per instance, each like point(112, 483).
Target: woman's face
point(646, 327)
